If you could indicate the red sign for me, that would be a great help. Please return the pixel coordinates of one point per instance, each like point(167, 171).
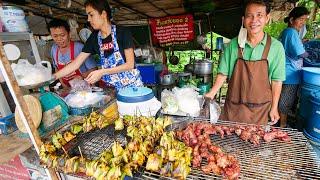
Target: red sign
point(14, 170)
point(172, 30)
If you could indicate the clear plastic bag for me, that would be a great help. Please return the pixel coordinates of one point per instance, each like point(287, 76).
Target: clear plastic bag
point(215, 112)
point(79, 85)
point(169, 102)
point(28, 74)
point(188, 102)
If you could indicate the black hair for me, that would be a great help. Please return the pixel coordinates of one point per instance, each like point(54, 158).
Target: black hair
point(260, 2)
point(100, 5)
point(296, 13)
point(56, 23)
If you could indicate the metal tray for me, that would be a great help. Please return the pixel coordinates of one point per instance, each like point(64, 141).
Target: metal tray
point(38, 85)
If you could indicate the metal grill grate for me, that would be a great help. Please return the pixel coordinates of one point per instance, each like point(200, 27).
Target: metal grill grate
point(93, 143)
point(274, 160)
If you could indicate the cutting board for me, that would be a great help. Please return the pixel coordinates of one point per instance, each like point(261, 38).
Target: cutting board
point(35, 111)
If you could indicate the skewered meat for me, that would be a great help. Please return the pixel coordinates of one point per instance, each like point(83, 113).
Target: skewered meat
point(260, 133)
point(255, 139)
point(206, 169)
point(232, 172)
point(211, 130)
point(286, 138)
point(211, 158)
point(220, 131)
point(215, 168)
point(179, 134)
point(268, 137)
point(222, 160)
point(196, 161)
point(281, 134)
point(227, 130)
point(215, 149)
point(252, 128)
point(245, 135)
point(238, 131)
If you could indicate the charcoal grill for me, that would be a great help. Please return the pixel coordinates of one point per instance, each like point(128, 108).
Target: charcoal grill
point(93, 143)
point(274, 160)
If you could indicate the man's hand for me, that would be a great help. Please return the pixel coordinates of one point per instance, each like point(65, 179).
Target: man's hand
point(217, 85)
point(210, 95)
point(95, 76)
point(274, 116)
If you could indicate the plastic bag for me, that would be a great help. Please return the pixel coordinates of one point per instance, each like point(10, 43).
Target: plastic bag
point(82, 99)
point(28, 74)
point(188, 100)
point(169, 102)
point(215, 112)
point(79, 85)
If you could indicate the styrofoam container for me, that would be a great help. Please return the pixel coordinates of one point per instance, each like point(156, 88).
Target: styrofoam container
point(147, 108)
point(13, 19)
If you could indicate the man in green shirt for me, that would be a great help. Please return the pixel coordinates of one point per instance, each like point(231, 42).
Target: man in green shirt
point(255, 71)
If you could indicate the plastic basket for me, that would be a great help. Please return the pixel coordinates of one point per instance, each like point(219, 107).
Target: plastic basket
point(7, 125)
point(313, 49)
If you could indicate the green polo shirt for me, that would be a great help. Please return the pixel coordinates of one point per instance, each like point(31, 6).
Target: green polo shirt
point(276, 58)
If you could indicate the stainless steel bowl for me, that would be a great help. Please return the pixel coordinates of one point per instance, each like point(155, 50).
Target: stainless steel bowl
point(203, 67)
point(167, 79)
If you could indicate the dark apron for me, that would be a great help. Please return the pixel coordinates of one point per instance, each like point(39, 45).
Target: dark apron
point(249, 94)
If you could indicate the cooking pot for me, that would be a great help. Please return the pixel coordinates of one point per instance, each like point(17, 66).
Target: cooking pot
point(203, 67)
point(167, 79)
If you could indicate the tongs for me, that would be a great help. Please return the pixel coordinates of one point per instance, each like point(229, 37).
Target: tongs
point(267, 128)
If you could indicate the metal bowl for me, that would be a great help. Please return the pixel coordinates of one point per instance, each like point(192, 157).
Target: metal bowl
point(203, 67)
point(167, 79)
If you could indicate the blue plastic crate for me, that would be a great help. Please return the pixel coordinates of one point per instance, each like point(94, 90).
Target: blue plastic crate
point(7, 125)
point(150, 73)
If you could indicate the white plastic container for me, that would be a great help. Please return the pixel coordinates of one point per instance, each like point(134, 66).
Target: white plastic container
point(137, 101)
point(13, 19)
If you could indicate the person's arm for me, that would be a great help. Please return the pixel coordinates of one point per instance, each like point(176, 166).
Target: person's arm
point(85, 74)
point(276, 87)
point(217, 85)
point(128, 65)
point(74, 65)
point(304, 55)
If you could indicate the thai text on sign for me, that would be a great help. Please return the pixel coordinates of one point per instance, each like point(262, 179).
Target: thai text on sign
point(172, 30)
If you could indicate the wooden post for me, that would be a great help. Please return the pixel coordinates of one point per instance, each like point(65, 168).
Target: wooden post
point(17, 95)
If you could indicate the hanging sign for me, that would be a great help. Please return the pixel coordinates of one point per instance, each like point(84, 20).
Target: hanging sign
point(171, 30)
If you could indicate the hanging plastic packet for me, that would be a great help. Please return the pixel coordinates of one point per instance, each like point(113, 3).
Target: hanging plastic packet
point(242, 37)
point(215, 112)
point(79, 85)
